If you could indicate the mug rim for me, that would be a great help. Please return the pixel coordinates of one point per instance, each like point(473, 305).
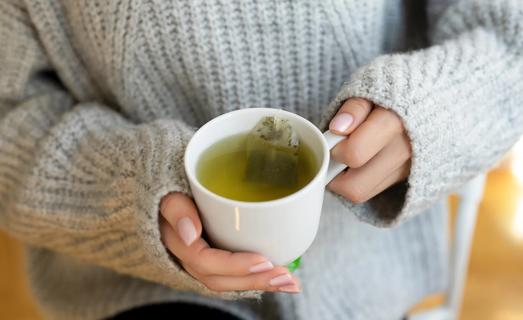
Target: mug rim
point(319, 173)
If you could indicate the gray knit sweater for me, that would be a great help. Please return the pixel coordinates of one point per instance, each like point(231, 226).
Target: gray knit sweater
point(98, 100)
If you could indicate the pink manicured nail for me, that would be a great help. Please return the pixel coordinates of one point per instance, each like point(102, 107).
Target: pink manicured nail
point(341, 122)
point(291, 289)
point(261, 267)
point(186, 230)
point(281, 280)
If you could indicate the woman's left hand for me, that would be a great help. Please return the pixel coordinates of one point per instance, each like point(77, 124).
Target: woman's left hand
point(377, 150)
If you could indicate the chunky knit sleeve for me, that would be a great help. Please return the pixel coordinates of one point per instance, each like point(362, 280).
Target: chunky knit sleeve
point(461, 102)
point(78, 178)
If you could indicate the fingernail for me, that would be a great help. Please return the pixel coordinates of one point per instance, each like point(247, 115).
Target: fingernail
point(186, 230)
point(291, 289)
point(341, 122)
point(261, 267)
point(281, 280)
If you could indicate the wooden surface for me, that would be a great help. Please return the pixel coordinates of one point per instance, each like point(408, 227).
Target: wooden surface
point(15, 299)
point(494, 288)
point(495, 279)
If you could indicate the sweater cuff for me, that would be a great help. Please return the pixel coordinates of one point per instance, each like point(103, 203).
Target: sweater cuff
point(164, 174)
point(374, 82)
point(442, 96)
point(406, 198)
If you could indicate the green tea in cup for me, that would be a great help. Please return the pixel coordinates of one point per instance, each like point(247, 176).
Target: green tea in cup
point(224, 169)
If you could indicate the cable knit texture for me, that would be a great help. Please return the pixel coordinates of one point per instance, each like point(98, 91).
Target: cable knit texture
point(98, 100)
point(460, 102)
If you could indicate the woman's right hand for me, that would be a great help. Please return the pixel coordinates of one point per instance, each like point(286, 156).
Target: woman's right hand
point(218, 270)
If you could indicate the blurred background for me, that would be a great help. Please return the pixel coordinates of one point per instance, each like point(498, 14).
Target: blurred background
point(494, 288)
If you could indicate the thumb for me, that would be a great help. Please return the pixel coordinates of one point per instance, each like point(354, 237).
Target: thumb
point(351, 114)
point(180, 212)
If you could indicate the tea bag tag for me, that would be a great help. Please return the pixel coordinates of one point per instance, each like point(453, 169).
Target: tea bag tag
point(272, 153)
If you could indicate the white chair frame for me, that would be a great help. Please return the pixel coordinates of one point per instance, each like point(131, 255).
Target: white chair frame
point(469, 198)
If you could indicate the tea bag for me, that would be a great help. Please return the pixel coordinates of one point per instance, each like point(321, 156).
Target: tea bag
point(272, 153)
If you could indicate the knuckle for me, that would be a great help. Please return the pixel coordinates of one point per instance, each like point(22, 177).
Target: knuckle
point(402, 150)
point(202, 269)
point(353, 155)
point(194, 273)
point(212, 284)
point(166, 203)
point(392, 120)
point(397, 125)
point(406, 155)
point(260, 284)
point(353, 193)
point(360, 105)
point(203, 265)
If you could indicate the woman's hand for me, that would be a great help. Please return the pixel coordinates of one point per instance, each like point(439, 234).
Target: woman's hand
point(219, 270)
point(377, 150)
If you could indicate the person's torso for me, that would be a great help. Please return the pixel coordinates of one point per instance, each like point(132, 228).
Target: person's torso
point(195, 59)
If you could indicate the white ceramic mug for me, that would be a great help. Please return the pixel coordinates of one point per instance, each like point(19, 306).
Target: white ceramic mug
point(281, 229)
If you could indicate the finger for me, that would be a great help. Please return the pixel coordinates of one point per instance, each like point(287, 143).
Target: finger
point(380, 127)
point(273, 280)
point(181, 213)
point(351, 114)
point(293, 288)
point(357, 184)
point(210, 261)
point(398, 175)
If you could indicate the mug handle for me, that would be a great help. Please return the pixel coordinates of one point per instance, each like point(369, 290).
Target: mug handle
point(332, 171)
point(334, 166)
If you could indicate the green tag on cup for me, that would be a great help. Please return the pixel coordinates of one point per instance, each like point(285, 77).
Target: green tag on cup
point(294, 265)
